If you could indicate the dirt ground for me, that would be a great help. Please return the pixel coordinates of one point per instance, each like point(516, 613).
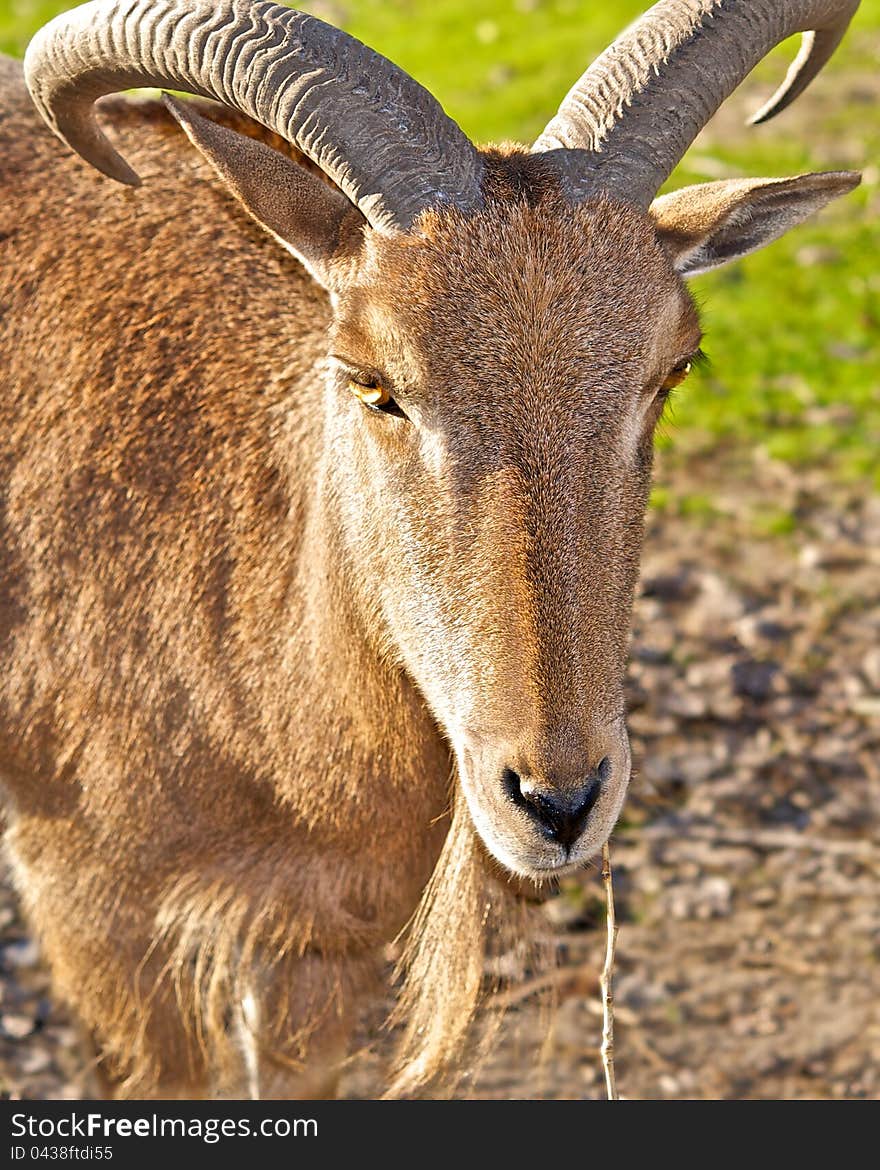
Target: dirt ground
point(747, 863)
point(747, 868)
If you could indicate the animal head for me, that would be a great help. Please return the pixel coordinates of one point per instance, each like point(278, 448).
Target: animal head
point(506, 327)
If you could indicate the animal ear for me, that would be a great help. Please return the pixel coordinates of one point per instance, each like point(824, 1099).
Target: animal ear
point(712, 223)
point(308, 217)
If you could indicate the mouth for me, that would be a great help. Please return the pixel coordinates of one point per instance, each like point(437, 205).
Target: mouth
point(528, 851)
point(539, 873)
point(538, 833)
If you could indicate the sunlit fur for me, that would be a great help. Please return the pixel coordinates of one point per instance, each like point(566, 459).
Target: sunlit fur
point(258, 640)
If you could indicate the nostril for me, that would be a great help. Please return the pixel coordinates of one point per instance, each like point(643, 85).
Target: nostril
point(512, 786)
point(588, 798)
point(560, 817)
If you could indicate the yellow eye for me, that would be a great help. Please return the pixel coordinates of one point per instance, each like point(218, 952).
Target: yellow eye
point(676, 377)
point(372, 394)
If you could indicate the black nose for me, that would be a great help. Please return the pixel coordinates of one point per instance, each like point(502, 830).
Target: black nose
point(561, 816)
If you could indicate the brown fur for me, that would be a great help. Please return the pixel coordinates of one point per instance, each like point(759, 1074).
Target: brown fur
point(171, 754)
point(250, 630)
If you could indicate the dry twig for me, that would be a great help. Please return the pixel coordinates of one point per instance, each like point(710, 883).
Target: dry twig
point(607, 1049)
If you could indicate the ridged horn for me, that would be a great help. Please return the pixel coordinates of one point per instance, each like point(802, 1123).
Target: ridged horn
point(382, 138)
point(630, 118)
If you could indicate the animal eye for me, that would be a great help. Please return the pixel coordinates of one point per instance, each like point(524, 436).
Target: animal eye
point(374, 396)
point(369, 393)
point(676, 376)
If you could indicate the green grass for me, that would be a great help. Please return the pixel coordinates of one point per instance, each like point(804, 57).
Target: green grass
point(793, 331)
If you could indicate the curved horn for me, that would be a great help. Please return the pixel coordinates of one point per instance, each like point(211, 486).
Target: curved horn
point(629, 120)
point(382, 138)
